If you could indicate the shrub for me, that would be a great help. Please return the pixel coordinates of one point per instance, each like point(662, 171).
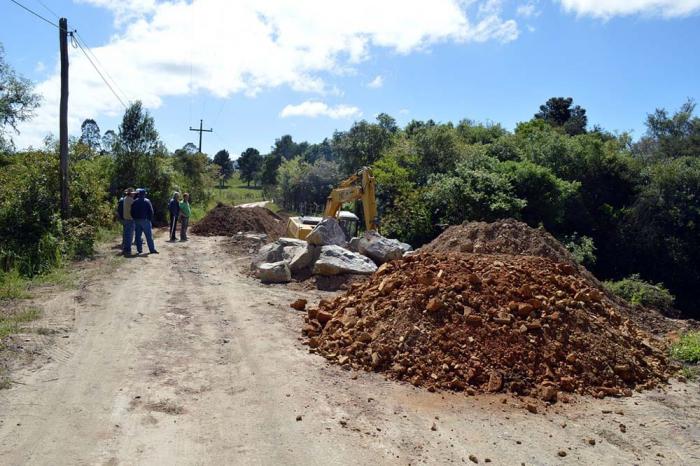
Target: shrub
point(643, 293)
point(582, 248)
point(687, 348)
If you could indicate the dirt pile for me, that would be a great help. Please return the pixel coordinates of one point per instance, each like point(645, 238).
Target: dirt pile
point(487, 323)
point(227, 220)
point(502, 237)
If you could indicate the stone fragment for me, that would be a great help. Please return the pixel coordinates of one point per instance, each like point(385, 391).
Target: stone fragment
point(327, 232)
point(299, 304)
point(334, 260)
point(379, 248)
point(274, 272)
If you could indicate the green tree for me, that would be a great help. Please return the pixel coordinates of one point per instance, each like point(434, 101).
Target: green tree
point(17, 101)
point(561, 113)
point(109, 139)
point(90, 134)
point(360, 146)
point(250, 165)
point(671, 136)
point(223, 160)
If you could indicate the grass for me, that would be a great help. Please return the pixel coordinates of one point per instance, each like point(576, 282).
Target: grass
point(687, 348)
point(690, 373)
point(13, 285)
point(12, 323)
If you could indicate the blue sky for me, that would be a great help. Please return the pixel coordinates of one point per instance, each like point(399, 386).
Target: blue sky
point(257, 70)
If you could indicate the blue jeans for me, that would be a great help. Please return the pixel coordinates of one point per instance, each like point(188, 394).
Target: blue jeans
point(144, 226)
point(127, 236)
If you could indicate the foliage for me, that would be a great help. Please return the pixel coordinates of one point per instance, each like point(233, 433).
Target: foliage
point(250, 165)
point(13, 285)
point(641, 292)
point(671, 136)
point(223, 160)
point(17, 100)
point(687, 348)
point(559, 112)
point(194, 176)
point(303, 186)
point(361, 145)
point(471, 194)
point(582, 248)
point(90, 134)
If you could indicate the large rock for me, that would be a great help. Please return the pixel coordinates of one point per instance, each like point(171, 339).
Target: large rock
point(274, 272)
point(327, 232)
point(298, 254)
point(335, 260)
point(379, 248)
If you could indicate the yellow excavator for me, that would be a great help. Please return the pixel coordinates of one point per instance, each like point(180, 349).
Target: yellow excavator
point(360, 186)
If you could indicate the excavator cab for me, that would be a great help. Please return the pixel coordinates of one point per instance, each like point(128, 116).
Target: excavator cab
point(349, 222)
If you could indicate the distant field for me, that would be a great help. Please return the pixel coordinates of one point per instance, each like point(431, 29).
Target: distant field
point(234, 192)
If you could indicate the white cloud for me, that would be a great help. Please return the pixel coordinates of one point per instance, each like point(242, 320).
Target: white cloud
point(223, 47)
point(606, 9)
point(314, 109)
point(39, 67)
point(376, 83)
point(528, 10)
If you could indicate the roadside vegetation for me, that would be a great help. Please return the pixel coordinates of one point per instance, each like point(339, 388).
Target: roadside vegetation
point(637, 291)
point(687, 348)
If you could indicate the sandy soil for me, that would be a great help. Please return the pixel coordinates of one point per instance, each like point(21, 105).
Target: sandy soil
point(178, 358)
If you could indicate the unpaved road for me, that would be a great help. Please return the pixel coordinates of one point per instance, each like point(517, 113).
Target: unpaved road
point(180, 359)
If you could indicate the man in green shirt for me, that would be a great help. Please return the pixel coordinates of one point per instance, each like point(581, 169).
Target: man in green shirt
point(185, 213)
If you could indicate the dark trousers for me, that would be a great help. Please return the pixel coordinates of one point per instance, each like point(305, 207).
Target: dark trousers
point(173, 226)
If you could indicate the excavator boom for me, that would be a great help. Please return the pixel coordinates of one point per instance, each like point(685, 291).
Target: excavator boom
point(349, 190)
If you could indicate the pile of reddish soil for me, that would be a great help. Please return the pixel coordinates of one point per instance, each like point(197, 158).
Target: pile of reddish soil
point(487, 323)
point(227, 220)
point(502, 237)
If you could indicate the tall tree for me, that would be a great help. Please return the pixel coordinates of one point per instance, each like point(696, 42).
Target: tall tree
point(223, 160)
point(560, 113)
point(137, 131)
point(109, 139)
point(671, 136)
point(17, 100)
point(90, 134)
point(250, 164)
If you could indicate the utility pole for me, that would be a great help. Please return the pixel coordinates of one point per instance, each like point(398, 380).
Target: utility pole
point(63, 117)
point(200, 131)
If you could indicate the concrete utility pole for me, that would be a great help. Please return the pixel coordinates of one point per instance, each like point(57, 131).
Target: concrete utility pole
point(200, 131)
point(63, 117)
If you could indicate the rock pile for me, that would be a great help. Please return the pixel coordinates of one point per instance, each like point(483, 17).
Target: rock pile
point(502, 237)
point(227, 220)
point(487, 323)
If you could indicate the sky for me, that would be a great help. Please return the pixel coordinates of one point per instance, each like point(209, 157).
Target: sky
point(255, 70)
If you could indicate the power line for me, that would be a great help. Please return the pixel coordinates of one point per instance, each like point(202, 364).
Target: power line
point(35, 14)
point(104, 68)
point(101, 75)
point(47, 8)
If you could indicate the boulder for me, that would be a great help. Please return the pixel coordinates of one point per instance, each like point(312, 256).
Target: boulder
point(379, 248)
point(334, 260)
point(327, 232)
point(298, 254)
point(354, 244)
point(274, 272)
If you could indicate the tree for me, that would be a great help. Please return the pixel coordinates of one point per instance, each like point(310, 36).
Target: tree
point(90, 134)
point(671, 136)
point(109, 139)
point(558, 112)
point(387, 123)
point(362, 145)
point(223, 160)
point(17, 100)
point(190, 148)
point(137, 131)
point(250, 164)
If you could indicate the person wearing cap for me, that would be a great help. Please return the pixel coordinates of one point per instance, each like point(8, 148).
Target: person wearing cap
point(127, 221)
point(174, 210)
point(142, 212)
point(185, 212)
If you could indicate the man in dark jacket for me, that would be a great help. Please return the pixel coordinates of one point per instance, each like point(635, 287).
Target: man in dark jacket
point(174, 210)
point(142, 213)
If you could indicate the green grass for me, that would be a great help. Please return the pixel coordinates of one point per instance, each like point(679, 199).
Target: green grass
point(13, 285)
point(12, 323)
point(690, 373)
point(687, 348)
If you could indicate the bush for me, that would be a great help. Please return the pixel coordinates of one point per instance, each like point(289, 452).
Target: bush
point(640, 292)
point(582, 248)
point(687, 348)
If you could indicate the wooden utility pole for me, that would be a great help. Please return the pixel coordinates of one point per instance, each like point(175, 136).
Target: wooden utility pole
point(200, 131)
point(63, 117)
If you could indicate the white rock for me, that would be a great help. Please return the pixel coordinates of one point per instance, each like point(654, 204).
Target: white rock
point(274, 272)
point(379, 248)
point(334, 260)
point(327, 232)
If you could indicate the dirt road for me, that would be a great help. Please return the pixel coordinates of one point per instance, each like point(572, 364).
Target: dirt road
point(178, 358)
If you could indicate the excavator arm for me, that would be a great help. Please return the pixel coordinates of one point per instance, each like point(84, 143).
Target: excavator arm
point(360, 186)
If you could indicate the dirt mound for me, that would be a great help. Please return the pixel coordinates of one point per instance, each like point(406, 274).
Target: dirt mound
point(487, 323)
point(227, 220)
point(502, 237)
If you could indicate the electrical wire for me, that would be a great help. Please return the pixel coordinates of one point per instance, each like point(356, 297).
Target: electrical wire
point(47, 8)
point(101, 75)
point(104, 68)
point(35, 14)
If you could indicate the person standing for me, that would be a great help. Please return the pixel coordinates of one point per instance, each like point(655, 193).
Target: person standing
point(142, 213)
point(174, 210)
point(127, 221)
point(185, 212)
